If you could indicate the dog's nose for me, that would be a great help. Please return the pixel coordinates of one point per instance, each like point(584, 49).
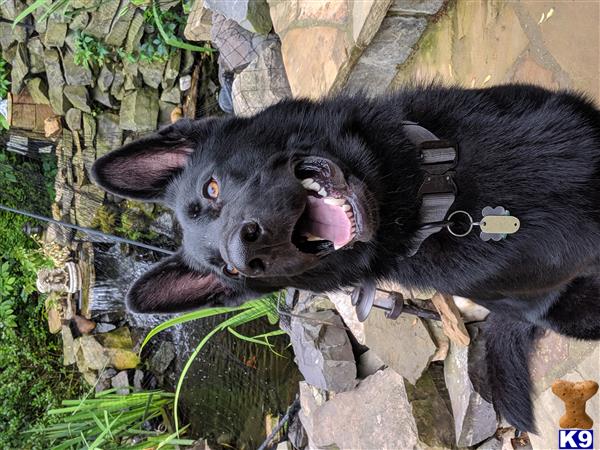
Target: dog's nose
point(242, 249)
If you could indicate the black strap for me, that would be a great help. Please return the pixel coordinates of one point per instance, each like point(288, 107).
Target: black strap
point(438, 191)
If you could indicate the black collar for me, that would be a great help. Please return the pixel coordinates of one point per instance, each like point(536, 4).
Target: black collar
point(438, 159)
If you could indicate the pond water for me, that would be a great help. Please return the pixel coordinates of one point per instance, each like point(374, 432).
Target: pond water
point(231, 386)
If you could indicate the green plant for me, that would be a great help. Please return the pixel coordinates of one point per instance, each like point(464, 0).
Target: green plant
point(105, 220)
point(4, 79)
point(112, 421)
point(265, 307)
point(89, 51)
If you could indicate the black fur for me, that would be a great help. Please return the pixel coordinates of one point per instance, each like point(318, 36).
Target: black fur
point(532, 151)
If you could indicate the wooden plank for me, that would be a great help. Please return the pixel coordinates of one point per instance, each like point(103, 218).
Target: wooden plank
point(452, 322)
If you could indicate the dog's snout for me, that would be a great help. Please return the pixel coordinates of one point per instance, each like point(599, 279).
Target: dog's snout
point(243, 248)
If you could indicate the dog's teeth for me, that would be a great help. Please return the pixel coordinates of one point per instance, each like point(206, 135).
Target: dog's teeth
point(335, 201)
point(346, 207)
point(337, 246)
point(322, 192)
point(307, 182)
point(312, 237)
point(314, 186)
point(350, 214)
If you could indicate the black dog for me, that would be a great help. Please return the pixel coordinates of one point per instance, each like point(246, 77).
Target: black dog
point(329, 194)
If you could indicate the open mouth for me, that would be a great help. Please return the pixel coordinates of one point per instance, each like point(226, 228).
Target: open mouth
point(331, 219)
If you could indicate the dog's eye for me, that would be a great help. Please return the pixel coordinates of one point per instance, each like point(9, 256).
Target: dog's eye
point(230, 271)
point(211, 189)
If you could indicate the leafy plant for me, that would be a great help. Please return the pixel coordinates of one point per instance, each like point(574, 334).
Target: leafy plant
point(89, 51)
point(112, 421)
point(4, 79)
point(105, 220)
point(265, 307)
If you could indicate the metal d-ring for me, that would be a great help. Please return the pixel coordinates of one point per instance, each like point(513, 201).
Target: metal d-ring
point(469, 218)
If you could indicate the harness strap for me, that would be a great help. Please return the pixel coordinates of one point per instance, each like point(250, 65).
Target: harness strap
point(438, 191)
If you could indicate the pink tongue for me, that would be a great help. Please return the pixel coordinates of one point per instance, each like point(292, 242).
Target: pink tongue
point(329, 222)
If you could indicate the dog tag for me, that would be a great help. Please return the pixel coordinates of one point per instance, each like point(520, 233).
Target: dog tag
point(497, 223)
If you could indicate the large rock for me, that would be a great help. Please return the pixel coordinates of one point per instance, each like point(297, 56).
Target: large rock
point(102, 19)
point(139, 110)
point(323, 350)
point(75, 74)
point(55, 34)
point(105, 78)
point(38, 90)
point(237, 46)
point(80, 21)
point(171, 70)
point(152, 72)
point(171, 95)
point(377, 414)
point(416, 6)
point(161, 359)
point(89, 129)
point(73, 119)
point(20, 67)
point(120, 27)
point(78, 96)
point(262, 83)
point(118, 345)
point(253, 15)
point(391, 46)
point(404, 344)
point(136, 30)
point(36, 55)
point(68, 346)
point(88, 199)
point(56, 82)
point(322, 40)
point(90, 354)
point(199, 23)
point(109, 135)
point(121, 383)
point(474, 417)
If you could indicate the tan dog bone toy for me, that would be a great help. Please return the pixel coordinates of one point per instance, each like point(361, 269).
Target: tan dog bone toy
point(575, 395)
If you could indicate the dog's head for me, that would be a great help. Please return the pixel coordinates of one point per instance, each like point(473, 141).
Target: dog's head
point(263, 203)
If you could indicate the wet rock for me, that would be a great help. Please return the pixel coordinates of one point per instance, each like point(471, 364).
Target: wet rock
point(102, 18)
point(109, 134)
point(118, 345)
point(491, 444)
point(199, 23)
point(163, 224)
point(89, 129)
point(88, 199)
point(262, 83)
point(117, 338)
point(20, 68)
point(404, 344)
point(73, 119)
point(120, 27)
point(58, 234)
point(138, 377)
point(475, 418)
point(105, 78)
point(55, 34)
point(391, 46)
point(343, 305)
point(74, 74)
point(80, 21)
point(323, 352)
point(104, 378)
point(171, 95)
point(139, 110)
point(103, 327)
point(78, 97)
point(383, 420)
point(121, 382)
point(36, 55)
point(161, 359)
point(136, 30)
point(171, 70)
point(253, 15)
point(90, 354)
point(38, 90)
point(152, 72)
point(68, 346)
point(431, 409)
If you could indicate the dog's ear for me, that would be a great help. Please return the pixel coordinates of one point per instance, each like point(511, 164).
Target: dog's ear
point(142, 169)
point(170, 286)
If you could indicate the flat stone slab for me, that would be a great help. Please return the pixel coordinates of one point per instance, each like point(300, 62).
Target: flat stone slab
point(377, 414)
point(322, 40)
